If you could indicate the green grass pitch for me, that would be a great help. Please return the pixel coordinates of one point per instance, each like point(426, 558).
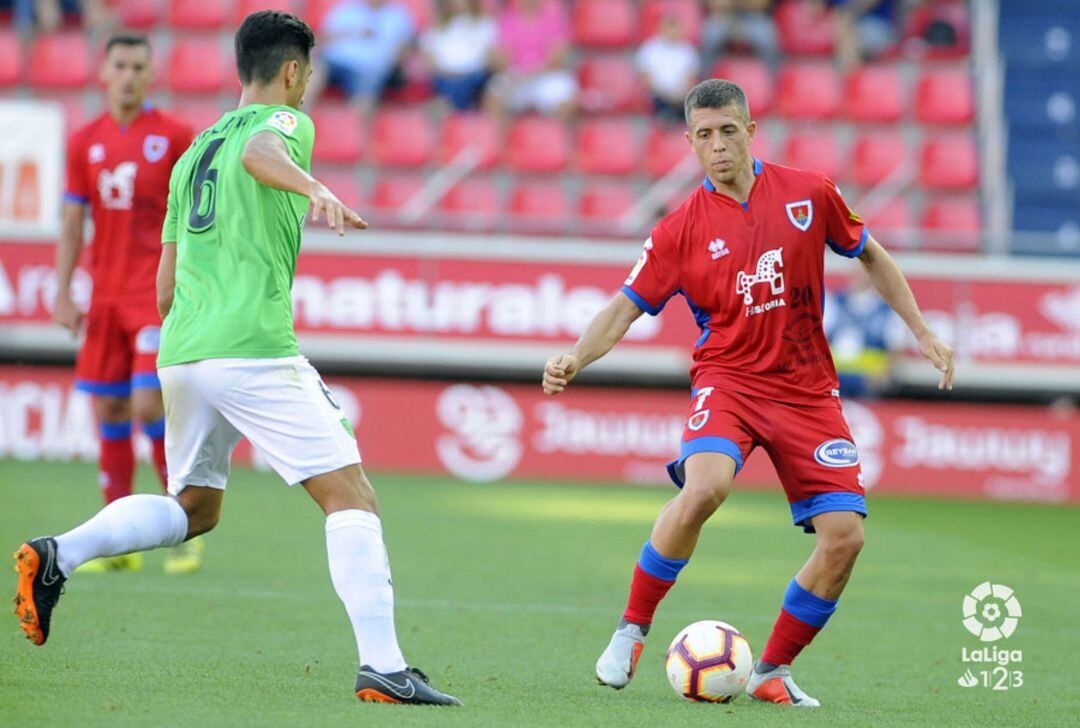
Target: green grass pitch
point(507, 593)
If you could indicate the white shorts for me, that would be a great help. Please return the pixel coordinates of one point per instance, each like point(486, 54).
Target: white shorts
point(280, 405)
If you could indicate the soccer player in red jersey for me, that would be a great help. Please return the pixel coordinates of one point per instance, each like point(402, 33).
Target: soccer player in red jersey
point(118, 165)
point(746, 251)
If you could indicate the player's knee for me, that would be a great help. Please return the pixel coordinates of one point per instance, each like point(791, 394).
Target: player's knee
point(113, 409)
point(203, 510)
point(701, 499)
point(842, 548)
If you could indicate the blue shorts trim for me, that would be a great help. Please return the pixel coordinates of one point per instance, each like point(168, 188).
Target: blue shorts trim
point(108, 389)
point(146, 380)
point(802, 511)
point(703, 444)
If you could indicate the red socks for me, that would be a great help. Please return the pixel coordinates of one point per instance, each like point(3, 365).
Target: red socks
point(116, 463)
point(646, 591)
point(789, 636)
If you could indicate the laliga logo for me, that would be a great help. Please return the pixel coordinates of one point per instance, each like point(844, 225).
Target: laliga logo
point(484, 441)
point(991, 612)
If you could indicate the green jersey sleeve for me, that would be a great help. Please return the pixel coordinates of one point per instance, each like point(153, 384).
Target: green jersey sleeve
point(294, 127)
point(170, 231)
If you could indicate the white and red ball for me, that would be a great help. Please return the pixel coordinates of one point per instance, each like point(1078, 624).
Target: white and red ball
point(709, 662)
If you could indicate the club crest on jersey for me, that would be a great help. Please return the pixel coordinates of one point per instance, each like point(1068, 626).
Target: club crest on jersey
point(801, 214)
point(154, 147)
point(698, 420)
point(837, 453)
point(718, 248)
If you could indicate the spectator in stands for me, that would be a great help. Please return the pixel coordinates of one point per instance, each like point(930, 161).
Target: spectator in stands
point(864, 334)
point(459, 51)
point(937, 27)
point(864, 29)
point(364, 43)
point(668, 64)
point(49, 15)
point(533, 53)
point(738, 25)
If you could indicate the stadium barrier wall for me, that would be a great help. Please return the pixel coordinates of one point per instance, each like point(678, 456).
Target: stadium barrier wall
point(488, 433)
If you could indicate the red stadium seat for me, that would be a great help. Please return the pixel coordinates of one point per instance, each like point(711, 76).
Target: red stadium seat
point(665, 149)
point(602, 205)
point(809, 90)
point(471, 204)
point(136, 13)
point(762, 147)
point(755, 79)
point(339, 137)
point(607, 146)
point(954, 221)
point(245, 8)
point(393, 191)
point(316, 12)
point(874, 93)
point(876, 156)
point(10, 59)
point(345, 186)
point(199, 14)
point(198, 66)
point(605, 23)
point(538, 207)
point(59, 61)
point(538, 144)
point(402, 138)
point(892, 222)
point(805, 27)
point(610, 83)
point(818, 150)
point(199, 115)
point(463, 130)
point(687, 11)
point(944, 97)
point(949, 162)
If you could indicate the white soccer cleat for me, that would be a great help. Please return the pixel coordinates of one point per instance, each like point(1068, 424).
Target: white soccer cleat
point(616, 666)
point(776, 686)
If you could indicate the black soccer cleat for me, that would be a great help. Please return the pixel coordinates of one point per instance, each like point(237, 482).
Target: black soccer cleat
point(409, 686)
point(40, 587)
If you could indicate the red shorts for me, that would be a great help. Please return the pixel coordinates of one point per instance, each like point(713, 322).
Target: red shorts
point(809, 445)
point(120, 349)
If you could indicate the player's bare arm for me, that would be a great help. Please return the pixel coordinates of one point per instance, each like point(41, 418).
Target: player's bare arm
point(267, 160)
point(889, 281)
point(166, 279)
point(605, 330)
point(68, 249)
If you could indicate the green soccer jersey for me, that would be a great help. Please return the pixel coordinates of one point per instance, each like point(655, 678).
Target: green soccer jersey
point(236, 243)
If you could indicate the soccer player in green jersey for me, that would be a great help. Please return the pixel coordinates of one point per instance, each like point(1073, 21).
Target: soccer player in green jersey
point(230, 368)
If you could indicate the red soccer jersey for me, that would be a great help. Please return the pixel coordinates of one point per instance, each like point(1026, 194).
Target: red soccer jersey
point(123, 174)
point(753, 276)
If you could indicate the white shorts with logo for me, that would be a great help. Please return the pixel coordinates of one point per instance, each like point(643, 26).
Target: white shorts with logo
point(280, 405)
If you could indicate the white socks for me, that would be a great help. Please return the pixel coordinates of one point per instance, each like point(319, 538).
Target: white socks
point(361, 574)
point(135, 523)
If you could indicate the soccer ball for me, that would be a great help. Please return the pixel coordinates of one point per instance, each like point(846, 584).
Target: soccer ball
point(709, 662)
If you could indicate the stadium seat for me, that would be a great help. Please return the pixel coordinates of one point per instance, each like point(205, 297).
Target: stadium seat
point(345, 186)
point(245, 8)
point(472, 204)
point(470, 129)
point(665, 149)
point(688, 12)
point(944, 97)
point(402, 138)
point(392, 191)
point(339, 137)
point(816, 149)
point(607, 146)
point(891, 222)
point(199, 14)
point(197, 66)
point(949, 162)
point(605, 23)
point(10, 59)
point(755, 79)
point(60, 61)
point(538, 207)
point(809, 90)
point(610, 83)
point(874, 93)
point(805, 28)
point(762, 147)
point(602, 206)
point(956, 222)
point(197, 114)
point(136, 13)
point(422, 11)
point(538, 144)
point(876, 156)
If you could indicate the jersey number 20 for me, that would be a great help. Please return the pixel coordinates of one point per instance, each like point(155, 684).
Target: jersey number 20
point(204, 190)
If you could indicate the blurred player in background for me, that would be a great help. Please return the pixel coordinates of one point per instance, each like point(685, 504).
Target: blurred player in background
point(118, 165)
point(746, 250)
point(230, 367)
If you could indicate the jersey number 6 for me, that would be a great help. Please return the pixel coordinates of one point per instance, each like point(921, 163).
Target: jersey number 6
point(204, 190)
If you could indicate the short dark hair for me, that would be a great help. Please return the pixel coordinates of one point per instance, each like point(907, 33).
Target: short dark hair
point(266, 40)
point(126, 39)
point(715, 93)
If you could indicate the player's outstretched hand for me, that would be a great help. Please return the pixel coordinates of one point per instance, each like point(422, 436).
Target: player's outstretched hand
point(559, 372)
point(336, 213)
point(940, 355)
point(67, 314)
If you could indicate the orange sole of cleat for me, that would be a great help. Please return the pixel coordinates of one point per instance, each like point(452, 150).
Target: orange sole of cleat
point(369, 695)
point(26, 564)
point(638, 648)
point(773, 691)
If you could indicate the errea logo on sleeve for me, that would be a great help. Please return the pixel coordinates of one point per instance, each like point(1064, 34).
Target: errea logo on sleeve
point(283, 121)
